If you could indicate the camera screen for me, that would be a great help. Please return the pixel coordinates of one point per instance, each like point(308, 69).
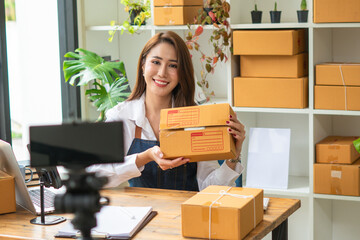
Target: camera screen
point(76, 144)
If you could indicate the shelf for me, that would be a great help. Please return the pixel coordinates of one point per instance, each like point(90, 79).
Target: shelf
point(337, 112)
point(298, 187)
point(269, 25)
point(272, 110)
point(148, 27)
point(335, 25)
point(337, 197)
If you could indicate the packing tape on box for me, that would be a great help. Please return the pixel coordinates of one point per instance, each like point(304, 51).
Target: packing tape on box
point(225, 193)
point(335, 184)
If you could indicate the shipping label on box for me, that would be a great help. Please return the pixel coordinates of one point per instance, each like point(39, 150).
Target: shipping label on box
point(337, 179)
point(274, 66)
point(269, 42)
point(336, 149)
point(175, 15)
point(222, 212)
point(326, 11)
point(158, 3)
point(337, 97)
point(7, 188)
point(271, 92)
point(338, 74)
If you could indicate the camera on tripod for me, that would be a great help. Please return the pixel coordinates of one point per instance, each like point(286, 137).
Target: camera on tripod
point(77, 146)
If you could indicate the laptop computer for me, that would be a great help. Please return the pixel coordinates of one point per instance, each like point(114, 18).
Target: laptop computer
point(28, 198)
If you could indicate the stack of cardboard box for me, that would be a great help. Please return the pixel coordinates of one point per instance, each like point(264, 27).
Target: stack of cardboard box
point(273, 68)
point(337, 167)
point(176, 12)
point(337, 86)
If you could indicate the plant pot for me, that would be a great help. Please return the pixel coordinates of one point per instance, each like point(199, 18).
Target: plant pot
point(275, 16)
point(302, 16)
point(133, 15)
point(256, 16)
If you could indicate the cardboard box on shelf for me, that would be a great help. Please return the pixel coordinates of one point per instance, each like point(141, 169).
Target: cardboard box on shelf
point(7, 188)
point(339, 74)
point(269, 42)
point(198, 133)
point(337, 149)
point(326, 11)
point(274, 65)
point(231, 216)
point(180, 15)
point(337, 97)
point(337, 179)
point(271, 92)
point(158, 3)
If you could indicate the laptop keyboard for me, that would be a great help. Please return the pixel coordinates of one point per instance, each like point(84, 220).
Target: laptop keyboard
point(48, 197)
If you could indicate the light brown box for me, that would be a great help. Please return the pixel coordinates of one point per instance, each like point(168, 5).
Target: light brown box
point(232, 217)
point(336, 149)
point(274, 66)
point(158, 3)
point(7, 189)
point(269, 42)
point(210, 142)
point(340, 74)
point(326, 11)
point(337, 97)
point(175, 15)
point(337, 179)
point(271, 92)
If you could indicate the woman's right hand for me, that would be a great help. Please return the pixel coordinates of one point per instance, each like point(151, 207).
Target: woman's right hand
point(156, 155)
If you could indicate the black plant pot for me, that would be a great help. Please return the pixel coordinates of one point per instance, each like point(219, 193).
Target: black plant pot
point(256, 16)
point(302, 16)
point(134, 14)
point(275, 16)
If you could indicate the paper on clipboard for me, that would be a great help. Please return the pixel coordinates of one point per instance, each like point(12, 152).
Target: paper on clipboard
point(268, 158)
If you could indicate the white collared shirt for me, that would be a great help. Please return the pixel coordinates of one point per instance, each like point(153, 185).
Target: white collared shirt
point(132, 113)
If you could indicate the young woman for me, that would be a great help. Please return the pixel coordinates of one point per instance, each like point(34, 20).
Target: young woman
point(165, 79)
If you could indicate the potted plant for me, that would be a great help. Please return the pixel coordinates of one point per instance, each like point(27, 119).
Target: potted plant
point(303, 13)
point(219, 40)
point(139, 12)
point(275, 15)
point(109, 88)
point(256, 15)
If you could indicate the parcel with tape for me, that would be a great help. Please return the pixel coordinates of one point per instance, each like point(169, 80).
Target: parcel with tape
point(199, 133)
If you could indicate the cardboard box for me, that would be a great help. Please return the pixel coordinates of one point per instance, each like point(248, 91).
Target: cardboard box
point(180, 135)
point(274, 66)
point(7, 188)
point(175, 15)
point(326, 11)
point(269, 42)
point(271, 92)
point(336, 149)
point(337, 97)
point(158, 3)
point(337, 179)
point(232, 217)
point(339, 74)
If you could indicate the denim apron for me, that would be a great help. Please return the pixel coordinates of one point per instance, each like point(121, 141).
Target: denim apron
point(179, 178)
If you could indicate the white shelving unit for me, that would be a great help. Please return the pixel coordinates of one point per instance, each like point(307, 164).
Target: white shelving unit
point(320, 216)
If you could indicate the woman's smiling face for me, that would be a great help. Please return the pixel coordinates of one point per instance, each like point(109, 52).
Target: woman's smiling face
point(160, 70)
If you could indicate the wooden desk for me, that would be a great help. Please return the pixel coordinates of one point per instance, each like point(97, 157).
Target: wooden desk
point(166, 225)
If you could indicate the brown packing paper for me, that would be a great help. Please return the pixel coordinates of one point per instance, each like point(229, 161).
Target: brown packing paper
point(7, 189)
point(338, 74)
point(222, 212)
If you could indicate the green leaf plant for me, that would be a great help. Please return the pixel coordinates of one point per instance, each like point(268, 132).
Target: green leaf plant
point(303, 5)
point(220, 39)
point(108, 88)
point(141, 8)
point(357, 144)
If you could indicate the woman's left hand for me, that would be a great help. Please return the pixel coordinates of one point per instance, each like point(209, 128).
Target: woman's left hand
point(237, 130)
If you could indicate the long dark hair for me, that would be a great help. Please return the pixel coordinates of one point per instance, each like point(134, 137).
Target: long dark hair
point(184, 92)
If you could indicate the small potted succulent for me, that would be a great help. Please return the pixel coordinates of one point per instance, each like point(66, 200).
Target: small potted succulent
point(256, 15)
point(303, 13)
point(275, 15)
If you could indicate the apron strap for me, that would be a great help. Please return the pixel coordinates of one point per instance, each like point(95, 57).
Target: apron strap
point(138, 131)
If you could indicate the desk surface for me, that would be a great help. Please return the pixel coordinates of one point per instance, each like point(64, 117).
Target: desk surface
point(166, 225)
